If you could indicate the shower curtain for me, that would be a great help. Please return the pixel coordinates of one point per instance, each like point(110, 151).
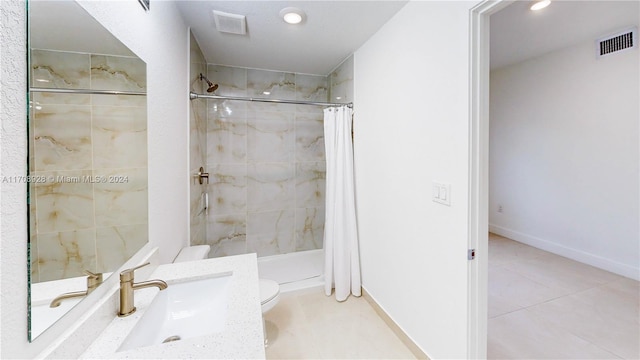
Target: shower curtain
point(341, 252)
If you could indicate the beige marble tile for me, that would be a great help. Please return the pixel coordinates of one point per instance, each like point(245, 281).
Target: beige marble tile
point(66, 254)
point(227, 234)
point(119, 100)
point(195, 52)
point(270, 136)
point(198, 215)
point(288, 332)
point(310, 184)
point(503, 251)
point(271, 232)
point(500, 305)
point(273, 107)
point(278, 85)
point(34, 270)
point(310, 325)
point(61, 70)
point(309, 129)
point(604, 316)
point(64, 202)
point(197, 134)
point(226, 132)
point(62, 137)
point(116, 244)
point(118, 73)
point(561, 273)
point(596, 314)
point(312, 88)
point(524, 335)
point(119, 137)
point(518, 290)
point(341, 82)
point(121, 197)
point(309, 228)
point(49, 98)
point(227, 188)
point(270, 186)
point(232, 81)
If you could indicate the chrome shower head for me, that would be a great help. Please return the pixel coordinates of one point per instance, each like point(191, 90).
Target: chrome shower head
point(212, 86)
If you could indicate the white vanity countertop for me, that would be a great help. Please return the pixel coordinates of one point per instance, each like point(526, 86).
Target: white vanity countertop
point(242, 338)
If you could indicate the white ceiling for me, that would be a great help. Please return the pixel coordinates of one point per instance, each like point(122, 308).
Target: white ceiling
point(518, 33)
point(331, 32)
point(66, 26)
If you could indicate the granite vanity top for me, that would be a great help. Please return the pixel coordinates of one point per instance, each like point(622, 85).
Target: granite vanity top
point(242, 338)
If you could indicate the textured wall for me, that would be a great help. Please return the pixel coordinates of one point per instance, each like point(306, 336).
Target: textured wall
point(13, 204)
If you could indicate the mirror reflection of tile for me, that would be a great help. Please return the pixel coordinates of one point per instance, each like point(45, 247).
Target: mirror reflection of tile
point(77, 141)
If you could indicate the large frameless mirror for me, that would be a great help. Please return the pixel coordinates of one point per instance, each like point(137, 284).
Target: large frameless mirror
point(87, 157)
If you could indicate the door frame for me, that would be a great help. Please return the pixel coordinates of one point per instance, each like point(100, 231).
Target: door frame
point(478, 216)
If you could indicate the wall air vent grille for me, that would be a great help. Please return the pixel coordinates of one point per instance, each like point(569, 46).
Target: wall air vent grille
point(230, 23)
point(620, 41)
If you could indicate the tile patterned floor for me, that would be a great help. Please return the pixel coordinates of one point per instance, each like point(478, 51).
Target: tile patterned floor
point(309, 325)
point(544, 306)
point(541, 306)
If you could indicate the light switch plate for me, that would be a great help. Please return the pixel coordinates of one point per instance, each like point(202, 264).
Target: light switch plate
point(441, 193)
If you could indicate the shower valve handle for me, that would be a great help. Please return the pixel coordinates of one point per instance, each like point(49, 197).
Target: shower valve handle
point(202, 175)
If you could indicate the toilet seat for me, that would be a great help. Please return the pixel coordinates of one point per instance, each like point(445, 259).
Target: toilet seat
point(269, 291)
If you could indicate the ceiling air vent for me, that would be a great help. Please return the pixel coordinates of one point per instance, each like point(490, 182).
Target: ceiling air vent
point(230, 23)
point(617, 42)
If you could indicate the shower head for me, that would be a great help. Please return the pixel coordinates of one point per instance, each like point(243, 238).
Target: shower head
point(212, 86)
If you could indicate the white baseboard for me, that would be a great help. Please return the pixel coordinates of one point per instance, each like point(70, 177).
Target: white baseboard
point(571, 253)
point(406, 339)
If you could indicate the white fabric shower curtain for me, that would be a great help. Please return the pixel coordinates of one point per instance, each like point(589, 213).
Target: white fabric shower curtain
point(341, 252)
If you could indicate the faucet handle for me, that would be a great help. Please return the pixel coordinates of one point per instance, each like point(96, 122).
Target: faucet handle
point(127, 275)
point(92, 275)
point(93, 280)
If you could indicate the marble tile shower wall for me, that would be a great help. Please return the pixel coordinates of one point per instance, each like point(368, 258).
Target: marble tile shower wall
point(197, 145)
point(79, 223)
point(341, 79)
point(266, 163)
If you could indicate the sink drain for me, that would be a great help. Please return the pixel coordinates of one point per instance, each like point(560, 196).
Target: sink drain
point(171, 338)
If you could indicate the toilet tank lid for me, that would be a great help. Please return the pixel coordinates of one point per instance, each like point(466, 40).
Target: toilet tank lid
point(193, 253)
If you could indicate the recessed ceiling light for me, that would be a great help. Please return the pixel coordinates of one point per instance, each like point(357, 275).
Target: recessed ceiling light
point(540, 5)
point(266, 92)
point(292, 15)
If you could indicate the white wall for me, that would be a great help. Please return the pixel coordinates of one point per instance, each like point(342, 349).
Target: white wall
point(411, 128)
point(564, 159)
point(158, 37)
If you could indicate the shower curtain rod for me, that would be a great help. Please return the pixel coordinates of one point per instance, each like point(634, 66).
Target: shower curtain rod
point(193, 96)
point(87, 91)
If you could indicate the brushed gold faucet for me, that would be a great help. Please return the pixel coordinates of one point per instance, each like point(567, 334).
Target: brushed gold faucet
point(93, 281)
point(127, 286)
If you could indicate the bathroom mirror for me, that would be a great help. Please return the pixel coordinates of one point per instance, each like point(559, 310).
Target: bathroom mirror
point(87, 178)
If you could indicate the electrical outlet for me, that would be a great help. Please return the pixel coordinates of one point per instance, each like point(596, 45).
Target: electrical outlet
point(499, 208)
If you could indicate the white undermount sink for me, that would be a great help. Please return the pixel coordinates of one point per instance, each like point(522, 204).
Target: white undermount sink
point(183, 310)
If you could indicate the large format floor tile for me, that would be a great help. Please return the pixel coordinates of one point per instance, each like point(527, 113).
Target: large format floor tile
point(310, 325)
point(545, 306)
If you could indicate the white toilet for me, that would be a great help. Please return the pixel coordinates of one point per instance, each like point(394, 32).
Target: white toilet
point(269, 289)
